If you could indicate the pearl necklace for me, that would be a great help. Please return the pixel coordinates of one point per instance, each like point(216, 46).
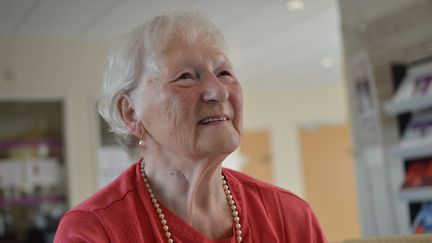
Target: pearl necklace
point(230, 200)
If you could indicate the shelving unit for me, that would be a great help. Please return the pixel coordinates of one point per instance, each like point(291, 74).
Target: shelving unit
point(373, 48)
point(33, 189)
point(412, 106)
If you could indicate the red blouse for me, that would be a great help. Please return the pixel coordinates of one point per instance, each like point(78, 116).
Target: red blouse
point(123, 212)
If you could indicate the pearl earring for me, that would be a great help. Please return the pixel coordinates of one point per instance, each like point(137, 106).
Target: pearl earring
point(141, 143)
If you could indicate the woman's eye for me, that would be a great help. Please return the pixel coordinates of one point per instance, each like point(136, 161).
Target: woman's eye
point(186, 79)
point(185, 76)
point(224, 73)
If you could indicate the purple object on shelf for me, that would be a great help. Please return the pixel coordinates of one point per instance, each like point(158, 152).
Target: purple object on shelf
point(32, 200)
point(51, 142)
point(422, 84)
point(421, 124)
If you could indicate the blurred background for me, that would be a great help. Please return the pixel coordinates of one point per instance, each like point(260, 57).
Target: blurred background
point(337, 100)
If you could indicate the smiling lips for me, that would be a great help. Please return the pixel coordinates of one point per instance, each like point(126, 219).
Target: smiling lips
point(209, 120)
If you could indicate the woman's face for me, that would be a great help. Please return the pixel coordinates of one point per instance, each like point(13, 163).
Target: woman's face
point(193, 105)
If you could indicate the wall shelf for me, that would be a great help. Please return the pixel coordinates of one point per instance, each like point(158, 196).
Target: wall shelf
point(413, 150)
point(420, 194)
point(32, 200)
point(413, 104)
point(12, 143)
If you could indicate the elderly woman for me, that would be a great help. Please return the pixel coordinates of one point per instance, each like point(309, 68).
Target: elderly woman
point(171, 97)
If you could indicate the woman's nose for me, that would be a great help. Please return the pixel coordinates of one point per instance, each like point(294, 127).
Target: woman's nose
point(214, 89)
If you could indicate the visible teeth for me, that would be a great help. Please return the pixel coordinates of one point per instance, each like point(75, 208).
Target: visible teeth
point(208, 120)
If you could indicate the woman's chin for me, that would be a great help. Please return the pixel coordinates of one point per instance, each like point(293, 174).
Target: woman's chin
point(221, 146)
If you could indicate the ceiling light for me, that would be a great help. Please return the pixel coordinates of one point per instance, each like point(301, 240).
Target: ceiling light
point(295, 5)
point(326, 62)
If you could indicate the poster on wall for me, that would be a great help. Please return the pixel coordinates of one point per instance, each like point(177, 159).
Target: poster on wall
point(365, 93)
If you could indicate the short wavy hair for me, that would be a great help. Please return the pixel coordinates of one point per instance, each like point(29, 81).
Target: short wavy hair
point(130, 55)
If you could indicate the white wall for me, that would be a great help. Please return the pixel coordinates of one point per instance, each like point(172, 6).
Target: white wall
point(71, 70)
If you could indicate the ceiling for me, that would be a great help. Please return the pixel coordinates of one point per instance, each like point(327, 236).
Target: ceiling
point(268, 43)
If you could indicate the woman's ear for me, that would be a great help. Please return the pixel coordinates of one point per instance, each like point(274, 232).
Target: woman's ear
point(126, 110)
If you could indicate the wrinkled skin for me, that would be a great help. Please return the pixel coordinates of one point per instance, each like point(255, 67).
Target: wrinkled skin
point(197, 82)
point(183, 156)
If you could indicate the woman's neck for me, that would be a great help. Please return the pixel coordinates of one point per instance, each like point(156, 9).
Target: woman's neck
point(192, 189)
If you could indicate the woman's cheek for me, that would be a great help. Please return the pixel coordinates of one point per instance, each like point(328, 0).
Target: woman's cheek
point(169, 111)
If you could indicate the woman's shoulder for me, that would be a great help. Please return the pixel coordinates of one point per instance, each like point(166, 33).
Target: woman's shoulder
point(253, 186)
point(291, 218)
point(115, 191)
point(88, 219)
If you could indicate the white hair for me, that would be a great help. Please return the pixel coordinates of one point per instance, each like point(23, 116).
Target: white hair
point(130, 56)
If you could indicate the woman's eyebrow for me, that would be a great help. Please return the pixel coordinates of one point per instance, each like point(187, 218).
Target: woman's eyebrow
point(220, 61)
point(215, 63)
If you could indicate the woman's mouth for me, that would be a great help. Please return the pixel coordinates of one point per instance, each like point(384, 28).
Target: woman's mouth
point(209, 120)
